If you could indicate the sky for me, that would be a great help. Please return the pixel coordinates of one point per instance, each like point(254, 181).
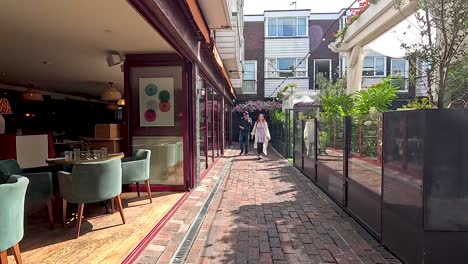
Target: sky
point(316, 6)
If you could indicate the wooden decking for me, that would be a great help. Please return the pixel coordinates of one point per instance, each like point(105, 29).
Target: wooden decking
point(104, 239)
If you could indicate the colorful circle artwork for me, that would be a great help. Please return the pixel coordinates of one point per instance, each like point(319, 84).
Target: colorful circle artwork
point(164, 96)
point(164, 106)
point(151, 89)
point(151, 104)
point(150, 115)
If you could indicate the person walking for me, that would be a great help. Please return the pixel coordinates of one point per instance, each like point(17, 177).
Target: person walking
point(262, 135)
point(245, 126)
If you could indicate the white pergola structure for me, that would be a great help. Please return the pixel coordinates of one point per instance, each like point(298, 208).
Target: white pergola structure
point(374, 22)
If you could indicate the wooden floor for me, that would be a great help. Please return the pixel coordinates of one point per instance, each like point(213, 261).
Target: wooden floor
point(104, 239)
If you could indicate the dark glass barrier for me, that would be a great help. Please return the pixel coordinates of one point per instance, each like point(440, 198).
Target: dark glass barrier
point(365, 159)
point(330, 147)
point(310, 149)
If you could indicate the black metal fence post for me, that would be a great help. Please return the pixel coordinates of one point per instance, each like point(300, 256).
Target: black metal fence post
point(316, 146)
point(303, 144)
point(346, 151)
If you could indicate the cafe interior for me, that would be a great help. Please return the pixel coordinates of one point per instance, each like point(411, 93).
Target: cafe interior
point(62, 109)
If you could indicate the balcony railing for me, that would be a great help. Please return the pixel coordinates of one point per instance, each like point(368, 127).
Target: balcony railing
point(249, 86)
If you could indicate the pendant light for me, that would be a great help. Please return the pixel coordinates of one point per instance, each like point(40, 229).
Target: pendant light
point(111, 93)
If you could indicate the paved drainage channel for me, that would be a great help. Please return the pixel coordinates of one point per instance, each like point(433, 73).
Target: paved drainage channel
point(184, 248)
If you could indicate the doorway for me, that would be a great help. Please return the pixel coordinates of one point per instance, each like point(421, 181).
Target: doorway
point(322, 66)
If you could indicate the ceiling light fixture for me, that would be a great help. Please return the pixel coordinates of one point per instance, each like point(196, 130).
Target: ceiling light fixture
point(121, 102)
point(111, 93)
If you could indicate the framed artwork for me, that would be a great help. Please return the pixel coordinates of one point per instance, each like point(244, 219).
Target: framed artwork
point(156, 102)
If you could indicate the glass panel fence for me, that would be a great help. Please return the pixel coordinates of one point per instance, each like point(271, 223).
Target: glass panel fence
point(364, 162)
point(330, 143)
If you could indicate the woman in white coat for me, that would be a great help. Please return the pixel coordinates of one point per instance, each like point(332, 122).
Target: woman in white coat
point(262, 136)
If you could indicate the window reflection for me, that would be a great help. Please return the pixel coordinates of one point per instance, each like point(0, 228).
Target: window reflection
point(330, 135)
point(202, 139)
point(209, 106)
point(364, 164)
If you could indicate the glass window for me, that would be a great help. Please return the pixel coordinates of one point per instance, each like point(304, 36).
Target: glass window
point(286, 66)
point(220, 125)
point(399, 67)
point(209, 124)
point(163, 135)
point(287, 27)
point(379, 66)
point(368, 66)
point(301, 70)
point(272, 27)
point(343, 67)
point(250, 70)
point(202, 139)
point(302, 26)
point(215, 124)
point(272, 68)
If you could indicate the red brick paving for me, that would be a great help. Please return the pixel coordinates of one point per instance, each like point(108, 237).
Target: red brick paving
point(265, 212)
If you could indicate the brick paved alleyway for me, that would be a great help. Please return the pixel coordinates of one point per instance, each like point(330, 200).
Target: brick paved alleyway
point(267, 212)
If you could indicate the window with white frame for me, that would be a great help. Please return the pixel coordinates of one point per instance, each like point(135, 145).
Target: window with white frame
point(374, 66)
point(287, 27)
point(343, 67)
point(399, 72)
point(249, 84)
point(399, 68)
point(286, 67)
point(250, 70)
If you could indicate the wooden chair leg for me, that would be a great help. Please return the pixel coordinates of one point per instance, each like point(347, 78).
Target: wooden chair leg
point(112, 205)
point(64, 212)
point(138, 188)
point(3, 257)
point(78, 221)
point(17, 253)
point(51, 215)
point(119, 204)
point(148, 189)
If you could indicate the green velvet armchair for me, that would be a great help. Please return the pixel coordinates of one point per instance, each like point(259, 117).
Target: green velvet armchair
point(12, 196)
point(137, 169)
point(89, 183)
point(40, 188)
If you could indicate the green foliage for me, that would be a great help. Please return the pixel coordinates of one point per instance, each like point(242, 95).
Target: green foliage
point(457, 82)
point(291, 87)
point(278, 117)
point(333, 98)
point(422, 103)
point(337, 106)
point(378, 96)
point(443, 43)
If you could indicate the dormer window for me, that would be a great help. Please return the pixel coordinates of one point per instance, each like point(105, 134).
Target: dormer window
point(287, 27)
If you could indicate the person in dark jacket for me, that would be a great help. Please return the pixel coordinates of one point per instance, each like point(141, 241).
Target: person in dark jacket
point(245, 126)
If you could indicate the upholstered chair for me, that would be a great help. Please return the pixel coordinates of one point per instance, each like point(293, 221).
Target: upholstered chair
point(137, 169)
point(40, 188)
point(89, 183)
point(12, 196)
